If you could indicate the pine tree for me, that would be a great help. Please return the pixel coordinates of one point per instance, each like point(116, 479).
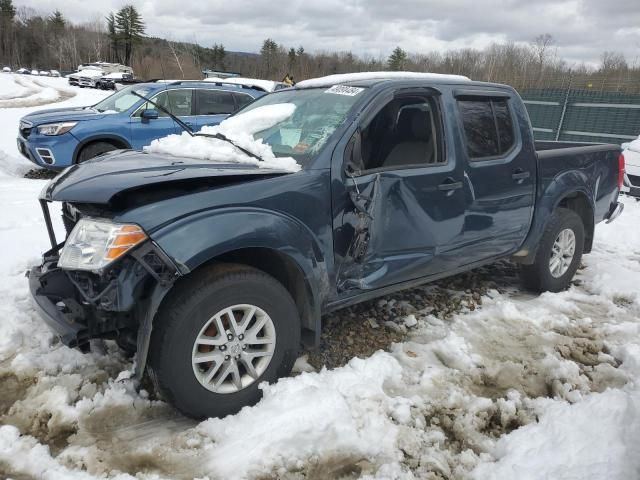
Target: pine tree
point(7, 16)
point(292, 58)
point(129, 29)
point(268, 54)
point(113, 37)
point(219, 54)
point(57, 23)
point(300, 51)
point(397, 59)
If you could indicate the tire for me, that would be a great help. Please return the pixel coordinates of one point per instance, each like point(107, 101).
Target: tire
point(539, 276)
point(183, 318)
point(94, 149)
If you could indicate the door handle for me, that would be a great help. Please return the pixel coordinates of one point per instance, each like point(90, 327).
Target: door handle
point(449, 184)
point(520, 175)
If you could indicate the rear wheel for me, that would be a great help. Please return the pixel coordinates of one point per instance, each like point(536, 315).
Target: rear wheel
point(218, 336)
point(94, 149)
point(559, 253)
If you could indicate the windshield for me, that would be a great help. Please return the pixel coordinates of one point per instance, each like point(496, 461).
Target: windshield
point(317, 114)
point(120, 101)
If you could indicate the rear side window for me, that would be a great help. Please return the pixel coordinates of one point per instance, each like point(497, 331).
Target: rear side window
point(242, 99)
point(214, 102)
point(488, 127)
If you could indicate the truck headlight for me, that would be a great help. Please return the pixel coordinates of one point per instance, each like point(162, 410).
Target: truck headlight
point(93, 244)
point(51, 129)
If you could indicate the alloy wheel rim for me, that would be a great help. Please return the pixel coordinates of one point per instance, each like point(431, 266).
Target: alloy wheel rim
point(562, 253)
point(233, 348)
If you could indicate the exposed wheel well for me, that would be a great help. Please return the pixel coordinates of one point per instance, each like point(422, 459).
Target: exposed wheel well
point(288, 273)
point(579, 203)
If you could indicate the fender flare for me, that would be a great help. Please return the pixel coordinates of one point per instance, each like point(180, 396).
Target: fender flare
point(562, 187)
point(197, 239)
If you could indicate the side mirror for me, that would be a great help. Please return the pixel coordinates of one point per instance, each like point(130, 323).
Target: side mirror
point(354, 154)
point(149, 114)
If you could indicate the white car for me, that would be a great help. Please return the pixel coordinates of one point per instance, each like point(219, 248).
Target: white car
point(631, 154)
point(22, 71)
point(6, 70)
point(44, 73)
point(35, 72)
point(54, 73)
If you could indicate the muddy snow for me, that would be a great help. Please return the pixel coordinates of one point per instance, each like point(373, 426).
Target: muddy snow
point(484, 381)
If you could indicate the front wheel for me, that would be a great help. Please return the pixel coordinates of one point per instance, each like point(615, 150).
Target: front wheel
point(218, 336)
point(559, 253)
point(95, 149)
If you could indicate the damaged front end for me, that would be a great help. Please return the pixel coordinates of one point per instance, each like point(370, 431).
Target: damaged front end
point(114, 302)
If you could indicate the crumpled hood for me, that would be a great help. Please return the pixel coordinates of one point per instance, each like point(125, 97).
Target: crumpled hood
point(98, 180)
point(63, 115)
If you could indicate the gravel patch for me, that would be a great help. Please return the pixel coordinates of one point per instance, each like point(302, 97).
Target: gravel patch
point(367, 327)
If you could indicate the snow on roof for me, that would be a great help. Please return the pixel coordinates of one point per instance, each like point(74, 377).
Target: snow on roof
point(354, 77)
point(240, 129)
point(266, 85)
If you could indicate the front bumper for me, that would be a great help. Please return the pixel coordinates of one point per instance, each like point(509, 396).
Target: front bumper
point(51, 152)
point(79, 306)
point(46, 287)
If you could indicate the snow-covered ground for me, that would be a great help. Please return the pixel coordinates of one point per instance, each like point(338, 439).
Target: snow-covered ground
point(22, 94)
point(525, 387)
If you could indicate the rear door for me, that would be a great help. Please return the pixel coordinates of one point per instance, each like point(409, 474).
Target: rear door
point(213, 106)
point(399, 217)
point(177, 101)
point(499, 173)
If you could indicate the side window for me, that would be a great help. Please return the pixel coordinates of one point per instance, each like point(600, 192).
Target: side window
point(242, 99)
point(504, 124)
point(177, 102)
point(488, 127)
point(214, 102)
point(406, 132)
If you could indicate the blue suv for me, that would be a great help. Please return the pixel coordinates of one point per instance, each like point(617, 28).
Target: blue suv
point(60, 137)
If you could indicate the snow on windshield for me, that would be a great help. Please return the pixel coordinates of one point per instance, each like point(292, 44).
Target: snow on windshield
point(240, 129)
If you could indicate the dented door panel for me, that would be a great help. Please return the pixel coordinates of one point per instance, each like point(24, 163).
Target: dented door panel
point(394, 226)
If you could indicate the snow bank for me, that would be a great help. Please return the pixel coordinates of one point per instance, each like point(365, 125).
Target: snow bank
point(592, 440)
point(34, 93)
point(354, 77)
point(240, 129)
point(9, 88)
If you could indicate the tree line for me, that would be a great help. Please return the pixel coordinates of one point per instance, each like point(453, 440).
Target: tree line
point(34, 40)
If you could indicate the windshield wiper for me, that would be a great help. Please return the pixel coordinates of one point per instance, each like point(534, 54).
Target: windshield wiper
point(184, 126)
point(220, 136)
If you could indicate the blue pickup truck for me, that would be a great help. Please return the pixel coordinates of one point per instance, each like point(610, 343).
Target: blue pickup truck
point(214, 272)
point(60, 137)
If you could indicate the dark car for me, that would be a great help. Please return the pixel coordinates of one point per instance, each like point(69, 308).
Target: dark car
point(215, 272)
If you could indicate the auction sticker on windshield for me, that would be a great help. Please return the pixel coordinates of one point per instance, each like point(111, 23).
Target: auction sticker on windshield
point(344, 90)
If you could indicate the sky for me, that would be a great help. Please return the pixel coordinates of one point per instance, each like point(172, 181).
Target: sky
point(582, 29)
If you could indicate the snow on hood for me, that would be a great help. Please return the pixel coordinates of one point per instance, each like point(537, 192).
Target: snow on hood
point(354, 77)
point(239, 128)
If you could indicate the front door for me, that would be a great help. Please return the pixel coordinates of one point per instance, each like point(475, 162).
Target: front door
point(500, 176)
point(399, 207)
